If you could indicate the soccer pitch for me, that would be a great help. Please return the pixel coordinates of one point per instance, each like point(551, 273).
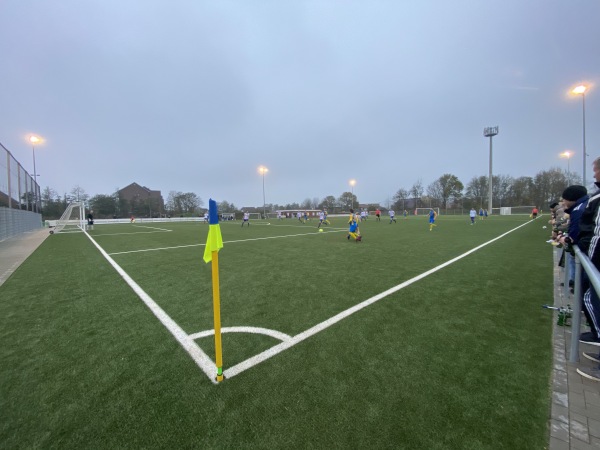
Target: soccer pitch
point(409, 339)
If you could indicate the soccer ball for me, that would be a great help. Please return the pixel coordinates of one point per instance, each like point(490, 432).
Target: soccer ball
point(320, 230)
point(544, 227)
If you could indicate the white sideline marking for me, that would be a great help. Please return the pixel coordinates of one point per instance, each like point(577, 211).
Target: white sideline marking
point(199, 357)
point(257, 359)
point(134, 232)
point(224, 242)
point(273, 333)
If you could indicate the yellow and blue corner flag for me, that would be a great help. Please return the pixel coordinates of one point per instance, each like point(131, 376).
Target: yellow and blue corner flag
point(214, 242)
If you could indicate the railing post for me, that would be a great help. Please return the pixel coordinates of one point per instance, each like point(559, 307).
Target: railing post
point(576, 318)
point(566, 274)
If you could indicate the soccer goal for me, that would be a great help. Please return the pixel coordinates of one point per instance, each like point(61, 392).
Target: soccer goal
point(255, 216)
point(72, 220)
point(425, 211)
point(513, 210)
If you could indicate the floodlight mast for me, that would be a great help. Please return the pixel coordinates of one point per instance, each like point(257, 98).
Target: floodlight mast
point(490, 132)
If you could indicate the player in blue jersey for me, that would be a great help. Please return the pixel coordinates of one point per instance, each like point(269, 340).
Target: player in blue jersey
point(432, 216)
point(353, 230)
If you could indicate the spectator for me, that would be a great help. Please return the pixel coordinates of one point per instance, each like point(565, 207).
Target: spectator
point(588, 240)
point(575, 199)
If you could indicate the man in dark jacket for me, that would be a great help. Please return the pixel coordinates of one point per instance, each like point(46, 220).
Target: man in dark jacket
point(589, 243)
point(575, 199)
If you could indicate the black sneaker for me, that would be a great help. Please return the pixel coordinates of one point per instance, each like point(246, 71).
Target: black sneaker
point(590, 340)
point(586, 335)
point(592, 356)
point(592, 374)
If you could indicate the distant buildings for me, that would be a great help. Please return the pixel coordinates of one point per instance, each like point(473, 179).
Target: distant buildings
point(141, 199)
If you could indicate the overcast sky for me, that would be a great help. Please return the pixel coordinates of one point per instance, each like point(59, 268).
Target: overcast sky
point(193, 96)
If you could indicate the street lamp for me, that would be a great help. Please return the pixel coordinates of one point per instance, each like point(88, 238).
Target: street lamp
point(262, 170)
point(490, 132)
point(34, 140)
point(567, 154)
point(352, 183)
point(581, 90)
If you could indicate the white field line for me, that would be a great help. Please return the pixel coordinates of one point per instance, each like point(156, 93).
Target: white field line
point(132, 233)
point(273, 333)
point(152, 228)
point(199, 357)
point(224, 242)
point(257, 359)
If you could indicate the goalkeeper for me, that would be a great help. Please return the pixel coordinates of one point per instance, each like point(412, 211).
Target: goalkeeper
point(353, 230)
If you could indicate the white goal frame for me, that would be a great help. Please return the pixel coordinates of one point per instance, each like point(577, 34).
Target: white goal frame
point(423, 211)
point(513, 210)
point(72, 220)
point(255, 216)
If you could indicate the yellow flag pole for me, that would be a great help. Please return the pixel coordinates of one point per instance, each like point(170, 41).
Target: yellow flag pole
point(217, 314)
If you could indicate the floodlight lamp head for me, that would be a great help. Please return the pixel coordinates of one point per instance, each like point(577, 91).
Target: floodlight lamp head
point(490, 131)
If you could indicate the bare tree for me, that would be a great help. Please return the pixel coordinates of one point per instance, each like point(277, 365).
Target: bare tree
point(417, 191)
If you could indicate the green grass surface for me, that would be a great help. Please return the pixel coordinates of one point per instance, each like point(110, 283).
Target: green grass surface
point(459, 359)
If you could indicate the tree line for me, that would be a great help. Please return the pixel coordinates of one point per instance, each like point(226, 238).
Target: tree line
point(447, 193)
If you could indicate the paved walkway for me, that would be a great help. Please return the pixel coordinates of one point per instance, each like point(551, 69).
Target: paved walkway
point(15, 250)
point(575, 415)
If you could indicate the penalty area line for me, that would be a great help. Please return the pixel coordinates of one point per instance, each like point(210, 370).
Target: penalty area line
point(224, 242)
point(269, 353)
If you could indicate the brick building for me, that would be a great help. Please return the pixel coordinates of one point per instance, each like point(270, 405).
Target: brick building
point(141, 197)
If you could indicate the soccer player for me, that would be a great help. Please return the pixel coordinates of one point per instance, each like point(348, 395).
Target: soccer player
point(405, 214)
point(392, 216)
point(321, 218)
point(326, 220)
point(432, 216)
point(480, 213)
point(246, 219)
point(472, 215)
point(353, 230)
point(299, 215)
point(534, 212)
point(90, 220)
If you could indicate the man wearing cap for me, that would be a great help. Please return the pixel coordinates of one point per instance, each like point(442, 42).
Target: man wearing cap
point(575, 199)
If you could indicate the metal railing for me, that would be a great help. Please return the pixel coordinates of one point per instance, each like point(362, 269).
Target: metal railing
point(582, 263)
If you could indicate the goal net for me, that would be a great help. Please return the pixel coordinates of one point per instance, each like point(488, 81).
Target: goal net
point(72, 220)
point(512, 210)
point(255, 216)
point(424, 211)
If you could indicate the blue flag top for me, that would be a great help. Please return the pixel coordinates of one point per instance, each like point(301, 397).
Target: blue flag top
point(214, 240)
point(213, 216)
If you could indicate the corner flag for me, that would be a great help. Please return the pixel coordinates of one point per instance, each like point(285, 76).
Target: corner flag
point(214, 242)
